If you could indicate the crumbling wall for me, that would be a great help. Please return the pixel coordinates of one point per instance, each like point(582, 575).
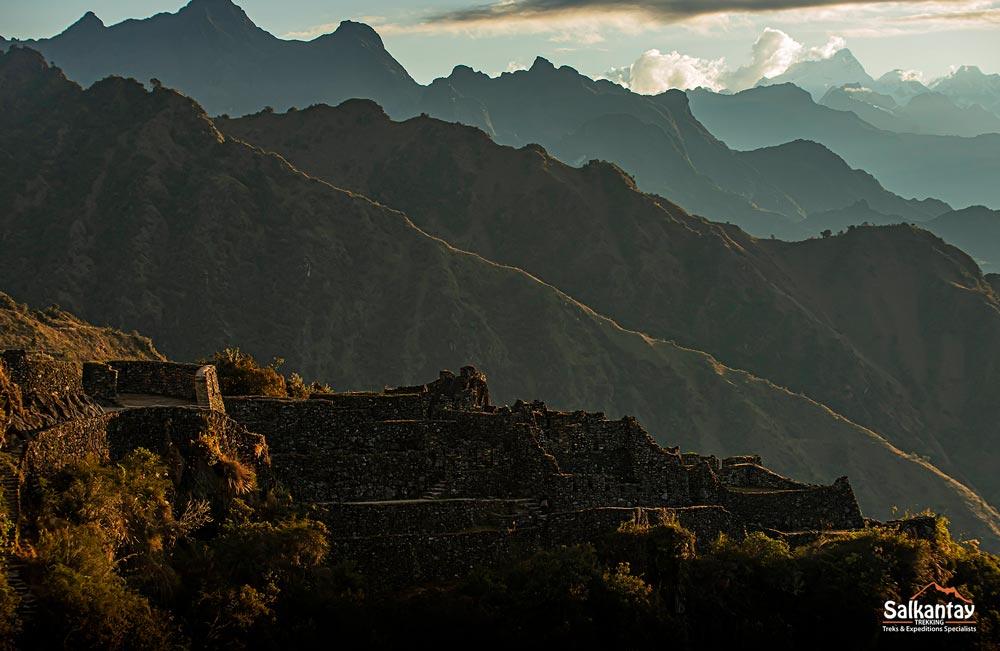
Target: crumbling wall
point(113, 435)
point(51, 392)
point(379, 406)
point(819, 507)
point(325, 453)
point(156, 378)
point(612, 462)
point(355, 519)
point(65, 444)
point(44, 376)
point(100, 381)
point(756, 476)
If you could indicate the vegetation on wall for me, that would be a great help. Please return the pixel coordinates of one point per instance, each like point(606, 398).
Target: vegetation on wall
point(241, 375)
point(121, 558)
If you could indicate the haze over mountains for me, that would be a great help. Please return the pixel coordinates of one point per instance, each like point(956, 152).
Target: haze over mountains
point(955, 170)
point(136, 209)
point(216, 242)
point(816, 77)
point(213, 52)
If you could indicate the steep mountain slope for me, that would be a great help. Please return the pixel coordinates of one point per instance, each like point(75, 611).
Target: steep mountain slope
point(877, 109)
point(653, 268)
point(655, 139)
point(820, 180)
point(132, 208)
point(928, 113)
point(817, 77)
point(211, 50)
point(901, 85)
point(975, 229)
point(57, 332)
point(859, 213)
point(970, 86)
point(960, 171)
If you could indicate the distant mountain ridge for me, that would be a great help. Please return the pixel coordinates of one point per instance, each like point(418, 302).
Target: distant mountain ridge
point(929, 113)
point(858, 307)
point(211, 50)
point(920, 106)
point(968, 86)
point(165, 224)
point(656, 139)
point(54, 331)
point(959, 171)
point(817, 77)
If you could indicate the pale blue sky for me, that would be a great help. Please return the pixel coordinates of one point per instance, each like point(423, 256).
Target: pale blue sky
point(927, 36)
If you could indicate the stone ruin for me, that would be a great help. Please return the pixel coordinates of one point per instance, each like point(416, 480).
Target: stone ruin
point(422, 483)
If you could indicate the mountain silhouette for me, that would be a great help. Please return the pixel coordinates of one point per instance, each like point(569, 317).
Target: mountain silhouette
point(975, 229)
point(970, 86)
point(655, 139)
point(819, 180)
point(959, 171)
point(900, 85)
point(817, 77)
point(156, 221)
point(927, 113)
point(867, 323)
point(211, 50)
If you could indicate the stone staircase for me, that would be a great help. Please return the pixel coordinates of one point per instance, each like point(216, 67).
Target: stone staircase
point(12, 564)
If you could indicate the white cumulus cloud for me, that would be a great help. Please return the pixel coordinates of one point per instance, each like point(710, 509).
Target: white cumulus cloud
point(654, 72)
point(772, 53)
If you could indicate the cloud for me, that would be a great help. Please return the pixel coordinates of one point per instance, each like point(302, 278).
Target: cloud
point(586, 38)
point(957, 18)
point(654, 72)
point(664, 11)
point(772, 53)
point(585, 22)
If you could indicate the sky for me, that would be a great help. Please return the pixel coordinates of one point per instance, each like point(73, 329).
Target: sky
point(662, 43)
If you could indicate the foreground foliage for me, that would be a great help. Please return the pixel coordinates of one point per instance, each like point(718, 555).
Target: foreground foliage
point(120, 558)
point(241, 375)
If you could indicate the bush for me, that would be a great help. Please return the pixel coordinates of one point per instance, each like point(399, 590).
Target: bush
point(240, 375)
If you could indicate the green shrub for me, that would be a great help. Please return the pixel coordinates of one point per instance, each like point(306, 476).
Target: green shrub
point(241, 375)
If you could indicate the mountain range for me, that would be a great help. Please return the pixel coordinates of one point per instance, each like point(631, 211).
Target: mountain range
point(817, 77)
point(959, 171)
point(966, 87)
point(211, 51)
point(927, 113)
point(131, 207)
point(134, 208)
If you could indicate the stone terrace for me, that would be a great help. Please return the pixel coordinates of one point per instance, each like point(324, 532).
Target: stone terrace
point(418, 483)
point(422, 482)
